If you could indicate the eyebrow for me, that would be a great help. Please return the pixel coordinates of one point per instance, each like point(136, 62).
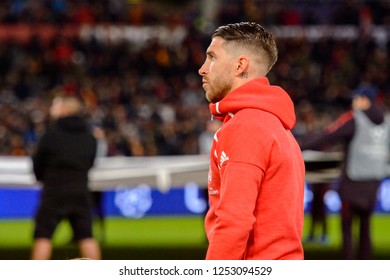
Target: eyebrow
point(210, 53)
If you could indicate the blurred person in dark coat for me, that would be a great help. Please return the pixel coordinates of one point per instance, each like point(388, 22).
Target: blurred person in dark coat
point(364, 136)
point(63, 158)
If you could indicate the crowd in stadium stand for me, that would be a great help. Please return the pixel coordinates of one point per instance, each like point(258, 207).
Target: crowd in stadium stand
point(148, 98)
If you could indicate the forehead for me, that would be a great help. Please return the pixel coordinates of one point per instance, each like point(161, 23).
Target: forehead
point(216, 45)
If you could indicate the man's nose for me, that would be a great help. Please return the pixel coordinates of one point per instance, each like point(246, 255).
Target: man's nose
point(202, 70)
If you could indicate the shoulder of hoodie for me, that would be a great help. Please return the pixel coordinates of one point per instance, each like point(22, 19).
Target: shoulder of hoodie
point(254, 117)
point(252, 121)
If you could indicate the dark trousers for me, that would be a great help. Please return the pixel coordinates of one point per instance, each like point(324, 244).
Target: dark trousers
point(348, 214)
point(318, 211)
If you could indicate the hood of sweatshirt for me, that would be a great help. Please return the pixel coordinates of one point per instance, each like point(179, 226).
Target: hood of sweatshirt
point(257, 94)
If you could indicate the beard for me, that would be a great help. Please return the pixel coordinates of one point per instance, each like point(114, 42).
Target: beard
point(219, 90)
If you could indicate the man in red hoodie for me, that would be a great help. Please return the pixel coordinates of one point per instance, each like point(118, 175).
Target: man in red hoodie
point(257, 174)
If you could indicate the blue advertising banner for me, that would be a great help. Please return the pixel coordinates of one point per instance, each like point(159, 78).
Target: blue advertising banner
point(127, 201)
point(142, 200)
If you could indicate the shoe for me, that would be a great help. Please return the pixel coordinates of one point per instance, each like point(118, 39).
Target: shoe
point(324, 240)
point(310, 239)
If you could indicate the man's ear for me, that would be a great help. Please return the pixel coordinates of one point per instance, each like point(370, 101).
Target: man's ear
point(242, 66)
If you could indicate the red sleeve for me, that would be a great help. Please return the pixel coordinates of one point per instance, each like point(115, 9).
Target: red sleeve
point(341, 129)
point(340, 122)
point(234, 214)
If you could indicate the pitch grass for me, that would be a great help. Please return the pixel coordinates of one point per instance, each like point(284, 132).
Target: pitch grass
point(147, 232)
point(168, 238)
point(380, 236)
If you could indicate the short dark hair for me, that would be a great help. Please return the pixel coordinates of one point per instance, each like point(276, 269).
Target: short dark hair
point(252, 36)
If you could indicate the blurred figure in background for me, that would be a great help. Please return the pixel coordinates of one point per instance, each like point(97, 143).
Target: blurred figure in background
point(206, 136)
point(364, 135)
point(97, 195)
point(318, 213)
point(63, 158)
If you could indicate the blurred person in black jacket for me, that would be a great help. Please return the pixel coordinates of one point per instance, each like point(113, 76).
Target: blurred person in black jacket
point(63, 158)
point(364, 164)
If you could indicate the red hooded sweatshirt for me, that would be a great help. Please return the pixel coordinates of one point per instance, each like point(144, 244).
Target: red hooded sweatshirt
point(256, 177)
